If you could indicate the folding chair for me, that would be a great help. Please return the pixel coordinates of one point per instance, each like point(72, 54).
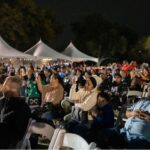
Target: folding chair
point(135, 94)
point(43, 129)
point(57, 139)
point(76, 142)
point(36, 128)
point(121, 116)
point(25, 143)
point(144, 94)
point(63, 139)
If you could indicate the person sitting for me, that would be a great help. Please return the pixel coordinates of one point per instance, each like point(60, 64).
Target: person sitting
point(52, 94)
point(79, 113)
point(97, 78)
point(15, 113)
point(125, 77)
point(103, 116)
point(145, 75)
point(90, 99)
point(48, 74)
point(32, 89)
point(105, 86)
point(136, 132)
point(118, 91)
point(77, 91)
point(135, 81)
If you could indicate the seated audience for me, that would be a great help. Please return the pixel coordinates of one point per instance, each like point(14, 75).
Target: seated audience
point(136, 132)
point(52, 94)
point(79, 114)
point(105, 84)
point(135, 81)
point(145, 75)
point(14, 115)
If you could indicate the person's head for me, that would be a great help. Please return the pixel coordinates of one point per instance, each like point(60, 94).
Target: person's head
point(30, 70)
point(134, 63)
point(148, 91)
point(102, 99)
point(90, 84)
point(11, 86)
point(103, 76)
point(22, 72)
point(133, 74)
point(117, 78)
point(146, 71)
point(11, 65)
point(55, 80)
point(47, 72)
point(54, 71)
point(125, 62)
point(79, 72)
point(42, 75)
point(109, 71)
point(123, 73)
point(87, 74)
point(93, 72)
point(81, 83)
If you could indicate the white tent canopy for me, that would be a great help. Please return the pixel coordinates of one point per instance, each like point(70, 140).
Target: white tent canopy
point(76, 55)
point(6, 51)
point(44, 51)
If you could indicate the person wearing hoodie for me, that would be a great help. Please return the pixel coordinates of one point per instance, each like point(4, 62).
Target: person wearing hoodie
point(79, 115)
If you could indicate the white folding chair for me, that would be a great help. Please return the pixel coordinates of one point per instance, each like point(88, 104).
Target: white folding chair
point(63, 139)
point(57, 139)
point(37, 128)
point(133, 94)
point(77, 142)
point(144, 94)
point(25, 143)
point(43, 129)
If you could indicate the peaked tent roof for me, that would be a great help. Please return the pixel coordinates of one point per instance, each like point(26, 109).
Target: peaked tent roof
point(44, 51)
point(76, 55)
point(6, 51)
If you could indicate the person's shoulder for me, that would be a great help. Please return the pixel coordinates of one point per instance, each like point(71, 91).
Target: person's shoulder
point(18, 104)
point(142, 100)
point(17, 100)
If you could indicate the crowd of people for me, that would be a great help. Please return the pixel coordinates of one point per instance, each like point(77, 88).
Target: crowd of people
point(81, 97)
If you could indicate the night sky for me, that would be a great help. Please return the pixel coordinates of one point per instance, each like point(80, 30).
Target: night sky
point(132, 13)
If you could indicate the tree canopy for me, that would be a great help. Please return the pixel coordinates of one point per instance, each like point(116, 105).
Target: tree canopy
point(23, 23)
point(100, 37)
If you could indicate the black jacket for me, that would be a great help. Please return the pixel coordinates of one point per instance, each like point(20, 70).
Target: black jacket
point(14, 122)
